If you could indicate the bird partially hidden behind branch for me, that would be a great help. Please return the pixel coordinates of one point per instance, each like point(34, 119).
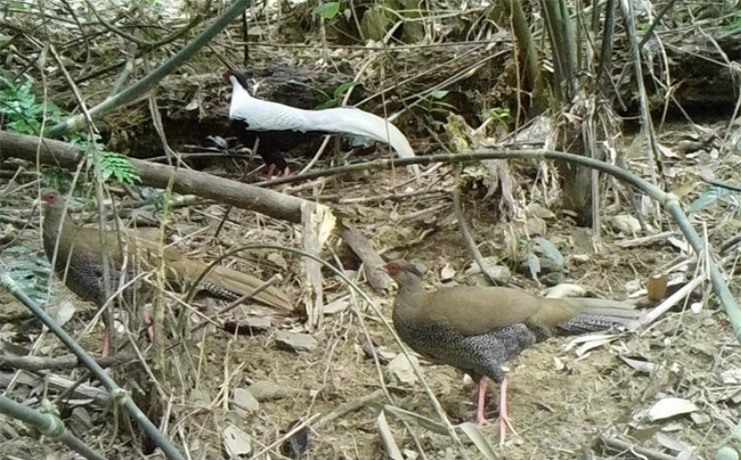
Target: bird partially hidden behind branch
point(79, 263)
point(477, 329)
point(280, 127)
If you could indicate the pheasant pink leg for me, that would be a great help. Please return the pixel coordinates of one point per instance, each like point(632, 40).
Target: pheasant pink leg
point(150, 327)
point(107, 335)
point(272, 170)
point(106, 342)
point(504, 421)
point(480, 416)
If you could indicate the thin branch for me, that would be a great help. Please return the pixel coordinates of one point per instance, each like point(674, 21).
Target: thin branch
point(138, 89)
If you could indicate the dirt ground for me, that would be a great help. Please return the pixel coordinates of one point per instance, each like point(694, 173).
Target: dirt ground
point(563, 405)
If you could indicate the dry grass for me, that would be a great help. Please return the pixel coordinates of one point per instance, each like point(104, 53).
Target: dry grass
point(562, 405)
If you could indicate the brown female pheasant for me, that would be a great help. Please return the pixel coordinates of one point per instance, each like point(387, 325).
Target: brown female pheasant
point(477, 329)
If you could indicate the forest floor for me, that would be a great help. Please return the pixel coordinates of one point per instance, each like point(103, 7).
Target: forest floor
point(672, 388)
point(563, 405)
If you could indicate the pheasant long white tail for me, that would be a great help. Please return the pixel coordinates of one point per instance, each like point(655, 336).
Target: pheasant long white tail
point(361, 123)
point(261, 115)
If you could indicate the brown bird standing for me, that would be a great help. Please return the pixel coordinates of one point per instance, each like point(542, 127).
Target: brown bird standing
point(79, 262)
point(477, 329)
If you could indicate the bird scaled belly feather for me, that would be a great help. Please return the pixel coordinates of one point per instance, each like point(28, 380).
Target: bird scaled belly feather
point(477, 329)
point(79, 262)
point(282, 127)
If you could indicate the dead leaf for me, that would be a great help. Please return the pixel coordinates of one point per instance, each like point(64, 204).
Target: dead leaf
point(278, 259)
point(447, 273)
point(337, 306)
point(298, 443)
point(625, 223)
point(671, 407)
point(387, 438)
point(731, 377)
point(680, 244)
point(478, 439)
point(667, 152)
point(412, 417)
point(641, 366)
point(65, 312)
point(672, 443)
point(236, 442)
point(589, 342)
point(401, 368)
point(656, 287)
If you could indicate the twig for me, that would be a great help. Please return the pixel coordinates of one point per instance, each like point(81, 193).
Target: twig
point(35, 363)
point(226, 191)
point(626, 446)
point(672, 300)
point(119, 394)
point(135, 91)
point(473, 249)
point(48, 425)
point(725, 185)
point(99, 397)
point(234, 304)
point(363, 248)
point(350, 406)
point(295, 429)
point(646, 240)
point(287, 207)
point(313, 221)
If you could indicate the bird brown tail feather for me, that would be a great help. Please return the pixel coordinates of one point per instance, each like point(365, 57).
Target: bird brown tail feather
point(601, 315)
point(239, 284)
point(231, 284)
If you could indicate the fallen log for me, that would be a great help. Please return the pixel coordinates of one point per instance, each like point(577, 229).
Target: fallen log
point(245, 196)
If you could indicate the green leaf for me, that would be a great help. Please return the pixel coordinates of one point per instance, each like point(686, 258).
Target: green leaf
point(20, 109)
point(337, 96)
point(499, 113)
point(327, 10)
point(344, 88)
point(23, 114)
point(30, 271)
point(56, 178)
point(327, 104)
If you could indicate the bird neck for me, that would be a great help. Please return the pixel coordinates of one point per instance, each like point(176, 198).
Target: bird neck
point(239, 93)
point(409, 304)
point(57, 222)
point(410, 286)
point(57, 226)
